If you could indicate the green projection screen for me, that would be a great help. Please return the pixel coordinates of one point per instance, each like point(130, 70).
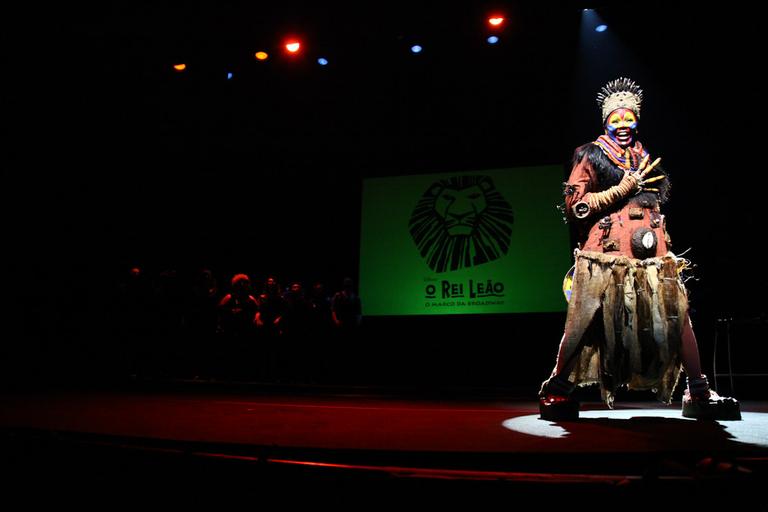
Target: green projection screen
point(464, 243)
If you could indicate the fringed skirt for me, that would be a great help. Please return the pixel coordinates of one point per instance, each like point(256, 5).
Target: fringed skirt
point(625, 322)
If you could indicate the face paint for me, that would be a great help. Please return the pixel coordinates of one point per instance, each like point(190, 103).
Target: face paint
point(621, 126)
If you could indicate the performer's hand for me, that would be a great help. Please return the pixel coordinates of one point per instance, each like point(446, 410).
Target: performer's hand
point(642, 171)
point(645, 169)
point(629, 183)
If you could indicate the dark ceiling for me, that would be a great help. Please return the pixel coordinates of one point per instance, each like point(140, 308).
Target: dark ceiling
point(117, 159)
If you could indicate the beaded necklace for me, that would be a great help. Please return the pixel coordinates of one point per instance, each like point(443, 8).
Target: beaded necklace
point(628, 159)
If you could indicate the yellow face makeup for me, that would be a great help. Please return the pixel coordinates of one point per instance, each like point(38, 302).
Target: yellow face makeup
point(622, 118)
point(621, 126)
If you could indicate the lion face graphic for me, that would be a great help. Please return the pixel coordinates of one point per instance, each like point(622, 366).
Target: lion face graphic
point(461, 222)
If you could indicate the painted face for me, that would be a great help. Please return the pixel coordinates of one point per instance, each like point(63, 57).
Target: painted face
point(621, 126)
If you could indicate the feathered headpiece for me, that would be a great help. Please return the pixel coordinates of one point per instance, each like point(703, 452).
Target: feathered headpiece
point(620, 93)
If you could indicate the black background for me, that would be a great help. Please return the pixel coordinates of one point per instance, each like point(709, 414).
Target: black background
point(115, 160)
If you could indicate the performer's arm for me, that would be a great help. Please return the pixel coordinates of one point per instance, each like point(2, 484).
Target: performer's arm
point(593, 202)
point(580, 184)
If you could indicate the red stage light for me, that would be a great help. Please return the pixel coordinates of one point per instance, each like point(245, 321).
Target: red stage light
point(292, 46)
point(496, 21)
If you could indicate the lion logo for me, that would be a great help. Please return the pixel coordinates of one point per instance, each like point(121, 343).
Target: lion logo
point(461, 222)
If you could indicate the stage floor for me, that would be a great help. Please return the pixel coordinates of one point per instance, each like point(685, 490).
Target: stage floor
point(357, 433)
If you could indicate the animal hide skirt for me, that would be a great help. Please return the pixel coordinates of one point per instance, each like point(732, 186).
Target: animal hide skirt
point(625, 322)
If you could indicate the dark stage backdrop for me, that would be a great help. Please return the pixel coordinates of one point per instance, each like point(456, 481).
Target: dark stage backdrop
point(112, 159)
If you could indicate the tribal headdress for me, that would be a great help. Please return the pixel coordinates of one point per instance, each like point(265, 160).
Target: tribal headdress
point(620, 93)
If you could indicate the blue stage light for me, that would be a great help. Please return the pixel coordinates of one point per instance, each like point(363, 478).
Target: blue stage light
point(322, 61)
point(493, 39)
point(229, 76)
point(416, 48)
point(601, 28)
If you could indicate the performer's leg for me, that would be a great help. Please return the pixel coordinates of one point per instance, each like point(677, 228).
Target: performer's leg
point(561, 371)
point(560, 363)
point(699, 401)
point(555, 402)
point(690, 351)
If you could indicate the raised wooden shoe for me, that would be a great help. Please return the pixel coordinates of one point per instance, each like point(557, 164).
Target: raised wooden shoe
point(558, 408)
point(714, 407)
